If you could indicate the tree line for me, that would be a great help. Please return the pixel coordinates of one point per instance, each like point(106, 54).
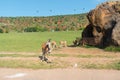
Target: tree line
point(36, 24)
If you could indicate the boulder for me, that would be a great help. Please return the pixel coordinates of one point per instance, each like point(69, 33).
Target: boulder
point(104, 25)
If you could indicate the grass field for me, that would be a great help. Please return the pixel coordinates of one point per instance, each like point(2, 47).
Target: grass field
point(22, 50)
point(31, 42)
point(62, 59)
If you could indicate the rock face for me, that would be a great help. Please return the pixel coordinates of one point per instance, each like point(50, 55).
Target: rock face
point(104, 25)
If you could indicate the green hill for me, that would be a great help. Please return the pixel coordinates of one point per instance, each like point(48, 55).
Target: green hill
point(36, 24)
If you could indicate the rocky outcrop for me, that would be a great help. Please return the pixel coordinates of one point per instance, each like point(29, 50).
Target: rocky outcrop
point(104, 25)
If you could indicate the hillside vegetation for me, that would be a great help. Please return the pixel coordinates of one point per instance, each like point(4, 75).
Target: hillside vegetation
point(36, 24)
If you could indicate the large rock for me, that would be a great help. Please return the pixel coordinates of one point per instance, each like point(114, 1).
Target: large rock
point(104, 25)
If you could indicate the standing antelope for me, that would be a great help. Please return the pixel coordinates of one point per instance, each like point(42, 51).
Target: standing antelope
point(63, 43)
point(46, 49)
point(53, 45)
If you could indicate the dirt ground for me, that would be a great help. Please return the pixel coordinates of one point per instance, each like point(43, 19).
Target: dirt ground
point(86, 55)
point(72, 56)
point(58, 74)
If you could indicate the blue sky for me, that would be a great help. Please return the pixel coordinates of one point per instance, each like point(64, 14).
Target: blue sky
point(46, 7)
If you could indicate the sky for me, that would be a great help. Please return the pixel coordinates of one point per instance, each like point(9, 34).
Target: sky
point(14, 8)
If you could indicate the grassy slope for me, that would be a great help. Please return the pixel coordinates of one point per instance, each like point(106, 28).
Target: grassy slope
point(31, 42)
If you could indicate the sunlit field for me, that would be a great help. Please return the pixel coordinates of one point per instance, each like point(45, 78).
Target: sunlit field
point(31, 42)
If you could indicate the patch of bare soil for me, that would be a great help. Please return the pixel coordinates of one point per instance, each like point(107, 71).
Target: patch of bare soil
point(86, 55)
point(73, 55)
point(58, 74)
point(80, 50)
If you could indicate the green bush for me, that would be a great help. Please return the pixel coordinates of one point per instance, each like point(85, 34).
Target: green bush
point(57, 29)
point(1, 30)
point(7, 31)
point(43, 29)
point(31, 29)
point(35, 29)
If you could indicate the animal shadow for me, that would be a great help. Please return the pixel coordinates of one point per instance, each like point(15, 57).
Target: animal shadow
point(45, 59)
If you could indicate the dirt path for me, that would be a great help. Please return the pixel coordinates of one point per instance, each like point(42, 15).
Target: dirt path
point(80, 50)
point(71, 58)
point(68, 57)
point(86, 55)
point(58, 74)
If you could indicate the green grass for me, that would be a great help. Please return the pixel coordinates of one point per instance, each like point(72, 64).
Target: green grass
point(31, 64)
point(62, 55)
point(18, 55)
point(95, 56)
point(113, 65)
point(88, 46)
point(31, 42)
point(24, 64)
point(32, 61)
point(113, 49)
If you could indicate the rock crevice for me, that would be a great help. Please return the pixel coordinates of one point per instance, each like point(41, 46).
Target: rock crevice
point(104, 25)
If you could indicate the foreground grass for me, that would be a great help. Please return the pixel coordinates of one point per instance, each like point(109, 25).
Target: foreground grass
point(31, 64)
point(31, 42)
point(113, 49)
point(17, 55)
point(113, 65)
point(84, 61)
point(61, 55)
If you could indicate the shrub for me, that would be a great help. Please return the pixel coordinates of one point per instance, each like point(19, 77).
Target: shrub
point(1, 30)
point(31, 29)
point(57, 29)
point(35, 29)
point(42, 29)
